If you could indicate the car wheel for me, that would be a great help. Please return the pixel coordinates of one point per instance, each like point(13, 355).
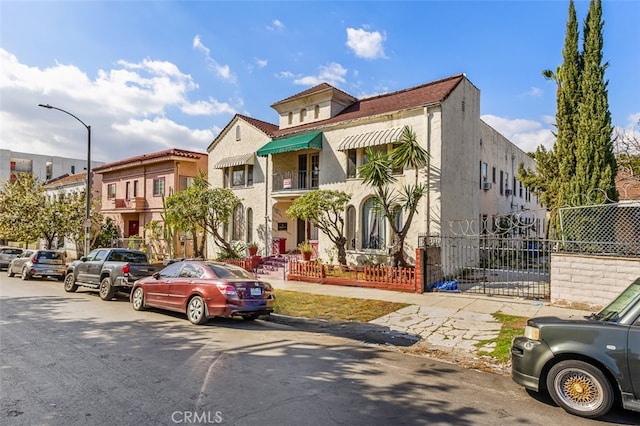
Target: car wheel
point(25, 274)
point(137, 299)
point(250, 317)
point(107, 291)
point(9, 271)
point(196, 310)
point(580, 388)
point(70, 283)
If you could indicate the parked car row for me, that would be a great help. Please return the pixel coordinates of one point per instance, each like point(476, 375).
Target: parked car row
point(36, 263)
point(200, 289)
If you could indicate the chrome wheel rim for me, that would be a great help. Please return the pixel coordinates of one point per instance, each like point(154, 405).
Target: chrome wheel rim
point(137, 298)
point(579, 390)
point(196, 309)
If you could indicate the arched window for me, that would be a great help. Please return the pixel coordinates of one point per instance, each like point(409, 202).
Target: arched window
point(237, 222)
point(238, 132)
point(249, 225)
point(351, 228)
point(316, 111)
point(373, 226)
point(303, 114)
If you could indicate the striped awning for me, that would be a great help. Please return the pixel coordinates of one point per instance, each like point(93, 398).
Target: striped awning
point(236, 160)
point(363, 140)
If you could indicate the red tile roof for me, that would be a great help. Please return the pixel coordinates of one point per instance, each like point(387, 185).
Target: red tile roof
point(315, 89)
point(61, 180)
point(172, 152)
point(265, 127)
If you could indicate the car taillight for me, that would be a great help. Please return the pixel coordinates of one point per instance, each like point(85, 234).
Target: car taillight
point(226, 289)
point(125, 269)
point(34, 259)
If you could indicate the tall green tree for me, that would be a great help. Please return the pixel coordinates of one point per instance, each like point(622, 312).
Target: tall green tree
point(202, 207)
point(581, 163)
point(378, 173)
point(325, 210)
point(21, 203)
point(595, 160)
point(567, 101)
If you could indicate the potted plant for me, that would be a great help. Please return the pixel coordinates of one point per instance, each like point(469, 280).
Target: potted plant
point(306, 250)
point(253, 248)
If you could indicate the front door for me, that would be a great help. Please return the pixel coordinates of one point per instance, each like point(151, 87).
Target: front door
point(302, 231)
point(302, 171)
point(634, 356)
point(133, 227)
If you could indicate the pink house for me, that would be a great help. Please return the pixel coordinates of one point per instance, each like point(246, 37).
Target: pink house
point(133, 189)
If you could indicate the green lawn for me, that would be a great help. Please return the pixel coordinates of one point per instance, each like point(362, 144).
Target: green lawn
point(332, 308)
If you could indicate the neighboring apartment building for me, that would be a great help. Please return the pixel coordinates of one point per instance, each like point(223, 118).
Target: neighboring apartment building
point(320, 141)
point(44, 167)
point(133, 190)
point(72, 184)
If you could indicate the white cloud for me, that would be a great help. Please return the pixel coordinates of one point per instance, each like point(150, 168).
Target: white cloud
point(333, 74)
point(285, 74)
point(533, 92)
point(223, 71)
point(212, 107)
point(366, 44)
point(526, 134)
point(127, 108)
point(276, 25)
point(261, 63)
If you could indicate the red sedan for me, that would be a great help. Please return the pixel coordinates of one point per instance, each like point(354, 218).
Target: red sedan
point(204, 290)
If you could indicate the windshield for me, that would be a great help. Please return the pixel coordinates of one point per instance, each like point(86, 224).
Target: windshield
point(621, 304)
point(229, 272)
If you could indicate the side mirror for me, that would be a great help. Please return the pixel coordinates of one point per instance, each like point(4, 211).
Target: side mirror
point(83, 258)
point(156, 275)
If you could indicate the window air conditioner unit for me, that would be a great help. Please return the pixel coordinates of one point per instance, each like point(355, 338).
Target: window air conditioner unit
point(486, 186)
point(507, 192)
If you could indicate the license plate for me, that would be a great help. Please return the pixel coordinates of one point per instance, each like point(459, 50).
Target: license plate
point(256, 291)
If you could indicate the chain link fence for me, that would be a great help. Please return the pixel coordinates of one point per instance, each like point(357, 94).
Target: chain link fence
point(606, 229)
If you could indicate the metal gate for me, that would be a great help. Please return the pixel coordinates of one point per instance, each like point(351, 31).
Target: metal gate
point(487, 264)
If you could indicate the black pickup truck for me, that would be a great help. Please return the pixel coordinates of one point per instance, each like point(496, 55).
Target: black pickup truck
point(109, 270)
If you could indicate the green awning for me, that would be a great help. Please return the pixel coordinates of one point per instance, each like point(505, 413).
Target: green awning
point(296, 143)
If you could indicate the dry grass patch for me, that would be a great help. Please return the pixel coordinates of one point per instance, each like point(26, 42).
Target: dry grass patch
point(332, 308)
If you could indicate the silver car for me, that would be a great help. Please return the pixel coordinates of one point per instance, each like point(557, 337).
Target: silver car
point(7, 254)
point(39, 263)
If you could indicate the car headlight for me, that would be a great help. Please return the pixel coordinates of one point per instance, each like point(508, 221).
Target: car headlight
point(532, 333)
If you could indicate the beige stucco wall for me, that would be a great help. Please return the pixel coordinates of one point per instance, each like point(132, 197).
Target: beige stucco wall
point(450, 131)
point(590, 280)
point(499, 153)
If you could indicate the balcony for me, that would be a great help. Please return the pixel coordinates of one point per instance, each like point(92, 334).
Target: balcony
point(129, 205)
point(295, 181)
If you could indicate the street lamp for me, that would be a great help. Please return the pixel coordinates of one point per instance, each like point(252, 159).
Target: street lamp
point(87, 221)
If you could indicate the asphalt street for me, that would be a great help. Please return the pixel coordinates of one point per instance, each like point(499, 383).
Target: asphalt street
point(70, 359)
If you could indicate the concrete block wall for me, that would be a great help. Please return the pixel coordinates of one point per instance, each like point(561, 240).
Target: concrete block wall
point(590, 282)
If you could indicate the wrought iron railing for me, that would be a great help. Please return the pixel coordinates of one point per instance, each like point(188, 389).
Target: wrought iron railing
point(296, 180)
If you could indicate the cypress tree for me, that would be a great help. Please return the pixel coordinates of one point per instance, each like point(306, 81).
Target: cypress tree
point(594, 177)
point(568, 99)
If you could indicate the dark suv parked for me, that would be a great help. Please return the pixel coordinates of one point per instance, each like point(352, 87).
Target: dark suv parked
point(585, 364)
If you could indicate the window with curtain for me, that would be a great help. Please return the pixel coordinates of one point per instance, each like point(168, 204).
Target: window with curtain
point(237, 222)
point(351, 228)
point(373, 226)
point(249, 225)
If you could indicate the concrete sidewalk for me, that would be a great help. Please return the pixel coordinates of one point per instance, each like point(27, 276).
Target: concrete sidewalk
point(441, 321)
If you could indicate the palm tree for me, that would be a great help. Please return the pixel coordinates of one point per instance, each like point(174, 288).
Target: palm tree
point(378, 173)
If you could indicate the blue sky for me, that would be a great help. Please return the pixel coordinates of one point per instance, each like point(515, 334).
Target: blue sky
point(152, 75)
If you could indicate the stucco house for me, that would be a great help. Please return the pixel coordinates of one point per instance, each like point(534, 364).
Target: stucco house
point(133, 190)
point(320, 141)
